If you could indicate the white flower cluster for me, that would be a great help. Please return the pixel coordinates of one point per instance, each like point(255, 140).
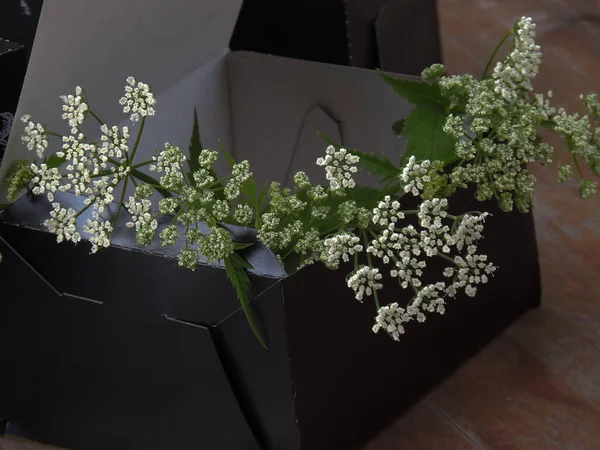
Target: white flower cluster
point(99, 231)
point(513, 76)
point(90, 169)
point(46, 180)
point(407, 249)
point(141, 218)
point(75, 109)
point(170, 163)
point(240, 173)
point(34, 136)
point(414, 175)
point(339, 247)
point(114, 143)
point(138, 100)
point(365, 281)
point(391, 318)
point(63, 223)
point(339, 165)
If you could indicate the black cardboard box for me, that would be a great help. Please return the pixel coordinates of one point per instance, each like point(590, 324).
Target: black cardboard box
point(163, 358)
point(399, 36)
point(13, 64)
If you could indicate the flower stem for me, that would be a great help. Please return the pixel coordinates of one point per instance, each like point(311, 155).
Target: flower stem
point(447, 258)
point(95, 117)
point(84, 209)
point(121, 201)
point(51, 133)
point(491, 59)
point(142, 164)
point(137, 140)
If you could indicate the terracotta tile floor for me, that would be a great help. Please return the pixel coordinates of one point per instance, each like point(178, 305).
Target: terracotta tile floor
point(538, 385)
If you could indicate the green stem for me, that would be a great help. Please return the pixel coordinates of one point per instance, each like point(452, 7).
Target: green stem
point(142, 164)
point(95, 117)
point(447, 258)
point(578, 174)
point(137, 140)
point(491, 59)
point(51, 133)
point(84, 209)
point(114, 222)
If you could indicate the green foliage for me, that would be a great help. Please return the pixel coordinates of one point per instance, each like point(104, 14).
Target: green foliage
point(195, 148)
point(423, 127)
point(54, 161)
point(425, 137)
point(151, 181)
point(235, 267)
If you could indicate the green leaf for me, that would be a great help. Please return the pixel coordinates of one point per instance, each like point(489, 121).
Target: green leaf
point(242, 245)
point(329, 141)
point(423, 128)
point(195, 148)
point(425, 137)
point(398, 127)
point(416, 92)
point(54, 161)
point(151, 181)
point(379, 166)
point(249, 192)
point(261, 196)
point(235, 267)
point(366, 197)
point(370, 162)
point(226, 154)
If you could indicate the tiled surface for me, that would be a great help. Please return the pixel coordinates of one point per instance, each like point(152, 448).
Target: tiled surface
point(538, 386)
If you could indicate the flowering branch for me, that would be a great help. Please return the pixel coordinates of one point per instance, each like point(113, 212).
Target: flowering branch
point(462, 132)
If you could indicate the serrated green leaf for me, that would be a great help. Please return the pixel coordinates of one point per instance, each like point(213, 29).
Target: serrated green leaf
point(235, 268)
point(398, 127)
point(425, 137)
point(226, 154)
point(416, 91)
point(329, 141)
point(195, 148)
point(249, 192)
point(262, 195)
point(151, 181)
point(375, 165)
point(53, 161)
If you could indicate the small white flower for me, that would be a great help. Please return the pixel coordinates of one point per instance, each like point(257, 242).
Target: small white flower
point(138, 100)
point(339, 247)
point(63, 223)
point(339, 165)
point(35, 136)
point(365, 281)
point(74, 108)
point(414, 175)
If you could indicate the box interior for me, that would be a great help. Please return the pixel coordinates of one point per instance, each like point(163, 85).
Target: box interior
point(262, 108)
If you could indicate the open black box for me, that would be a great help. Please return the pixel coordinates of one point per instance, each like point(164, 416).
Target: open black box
point(171, 363)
